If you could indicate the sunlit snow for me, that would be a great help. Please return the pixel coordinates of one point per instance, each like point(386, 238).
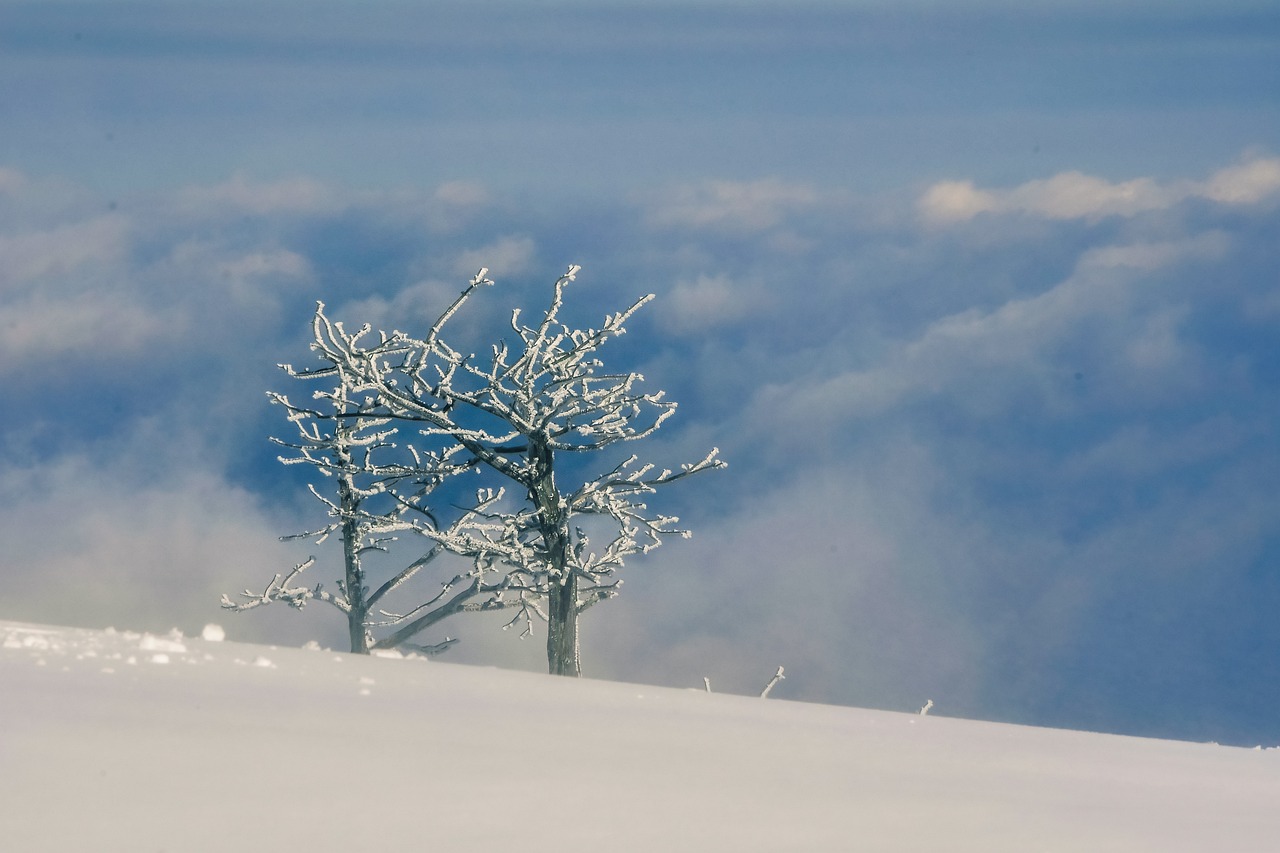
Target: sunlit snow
point(232, 747)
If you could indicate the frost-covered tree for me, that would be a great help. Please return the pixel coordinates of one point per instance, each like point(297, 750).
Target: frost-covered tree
point(374, 492)
point(518, 412)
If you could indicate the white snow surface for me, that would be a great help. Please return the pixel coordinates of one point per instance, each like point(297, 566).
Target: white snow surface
point(104, 750)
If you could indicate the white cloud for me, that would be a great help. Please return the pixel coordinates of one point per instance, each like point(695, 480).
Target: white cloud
point(253, 281)
point(841, 575)
point(452, 207)
point(981, 357)
point(56, 252)
point(1247, 183)
point(79, 290)
point(955, 201)
point(411, 309)
point(1135, 451)
point(273, 262)
point(1074, 195)
point(103, 325)
point(731, 205)
point(94, 538)
point(292, 195)
point(1157, 344)
point(60, 294)
point(30, 205)
point(461, 194)
point(508, 256)
point(706, 302)
point(11, 180)
point(1155, 255)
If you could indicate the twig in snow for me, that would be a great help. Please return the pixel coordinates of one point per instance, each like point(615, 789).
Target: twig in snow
point(777, 676)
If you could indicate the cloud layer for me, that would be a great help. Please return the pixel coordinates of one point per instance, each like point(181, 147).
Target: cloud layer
point(947, 477)
point(1073, 195)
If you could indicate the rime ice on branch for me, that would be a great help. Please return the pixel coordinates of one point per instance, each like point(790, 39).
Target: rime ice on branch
point(374, 491)
point(515, 413)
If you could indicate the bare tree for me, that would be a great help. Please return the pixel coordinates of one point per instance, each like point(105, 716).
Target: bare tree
point(518, 414)
point(375, 492)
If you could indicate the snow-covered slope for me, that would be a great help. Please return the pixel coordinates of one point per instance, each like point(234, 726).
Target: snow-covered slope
point(115, 741)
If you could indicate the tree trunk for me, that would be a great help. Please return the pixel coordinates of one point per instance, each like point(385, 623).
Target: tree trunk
point(562, 608)
point(359, 636)
point(562, 630)
point(358, 612)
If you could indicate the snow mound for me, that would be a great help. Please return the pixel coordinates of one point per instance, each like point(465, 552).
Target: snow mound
point(172, 644)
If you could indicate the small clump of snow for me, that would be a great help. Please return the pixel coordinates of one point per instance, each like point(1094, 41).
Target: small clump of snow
point(152, 643)
point(159, 657)
point(263, 662)
point(311, 646)
point(213, 633)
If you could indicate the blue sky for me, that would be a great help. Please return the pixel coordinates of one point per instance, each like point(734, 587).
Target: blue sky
point(980, 303)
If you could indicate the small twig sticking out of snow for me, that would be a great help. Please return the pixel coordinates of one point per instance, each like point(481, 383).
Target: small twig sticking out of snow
point(777, 676)
point(706, 682)
point(924, 712)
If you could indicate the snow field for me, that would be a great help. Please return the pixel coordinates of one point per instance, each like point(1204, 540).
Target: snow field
point(117, 741)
